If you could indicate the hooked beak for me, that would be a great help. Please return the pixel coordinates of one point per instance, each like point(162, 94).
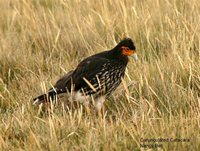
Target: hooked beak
point(134, 56)
point(128, 52)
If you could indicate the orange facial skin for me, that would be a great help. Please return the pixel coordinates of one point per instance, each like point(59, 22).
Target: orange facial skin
point(127, 52)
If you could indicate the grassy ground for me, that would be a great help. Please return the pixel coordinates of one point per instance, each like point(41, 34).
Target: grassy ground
point(41, 39)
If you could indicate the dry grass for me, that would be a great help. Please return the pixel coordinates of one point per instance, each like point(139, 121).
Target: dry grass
point(40, 38)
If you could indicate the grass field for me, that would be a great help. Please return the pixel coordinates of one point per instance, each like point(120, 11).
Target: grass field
point(40, 40)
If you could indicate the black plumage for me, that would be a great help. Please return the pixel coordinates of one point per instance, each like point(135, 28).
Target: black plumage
point(97, 75)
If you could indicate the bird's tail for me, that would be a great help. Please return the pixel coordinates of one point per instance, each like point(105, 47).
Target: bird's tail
point(61, 86)
point(46, 97)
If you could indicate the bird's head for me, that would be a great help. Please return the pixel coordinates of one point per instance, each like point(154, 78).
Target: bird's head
point(126, 48)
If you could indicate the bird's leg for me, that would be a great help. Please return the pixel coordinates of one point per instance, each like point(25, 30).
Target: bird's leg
point(99, 104)
point(87, 109)
point(85, 103)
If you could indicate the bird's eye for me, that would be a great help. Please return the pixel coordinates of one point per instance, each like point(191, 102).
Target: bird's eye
point(125, 48)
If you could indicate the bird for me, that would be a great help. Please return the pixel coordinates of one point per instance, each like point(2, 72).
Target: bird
point(95, 78)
